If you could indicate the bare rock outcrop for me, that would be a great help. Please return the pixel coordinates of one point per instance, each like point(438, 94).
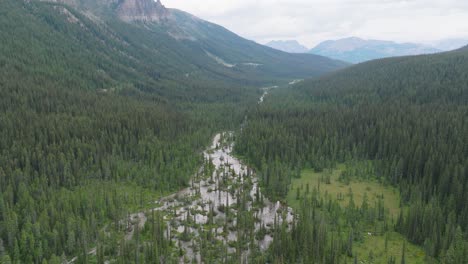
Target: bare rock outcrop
point(142, 10)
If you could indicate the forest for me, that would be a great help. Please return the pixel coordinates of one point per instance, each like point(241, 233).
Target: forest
point(407, 116)
point(96, 124)
point(86, 140)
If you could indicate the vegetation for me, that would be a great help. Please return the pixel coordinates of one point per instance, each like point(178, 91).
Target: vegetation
point(371, 242)
point(407, 116)
point(88, 135)
point(337, 184)
point(100, 118)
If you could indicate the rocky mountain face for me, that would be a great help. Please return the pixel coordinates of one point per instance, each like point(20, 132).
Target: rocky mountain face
point(142, 10)
point(357, 50)
point(173, 45)
point(126, 10)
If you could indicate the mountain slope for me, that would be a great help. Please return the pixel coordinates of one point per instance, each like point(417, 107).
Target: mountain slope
point(356, 50)
point(425, 77)
point(291, 46)
point(404, 119)
point(184, 46)
point(248, 57)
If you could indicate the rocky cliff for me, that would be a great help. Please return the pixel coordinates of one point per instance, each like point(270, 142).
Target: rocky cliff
point(142, 10)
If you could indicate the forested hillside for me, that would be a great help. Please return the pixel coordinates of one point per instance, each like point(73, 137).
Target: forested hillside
point(93, 128)
point(406, 116)
point(177, 47)
point(55, 43)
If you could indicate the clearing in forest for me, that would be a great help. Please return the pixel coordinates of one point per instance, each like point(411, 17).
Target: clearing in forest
point(374, 246)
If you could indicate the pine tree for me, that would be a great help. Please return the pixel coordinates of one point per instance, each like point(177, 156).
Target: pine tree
point(457, 252)
point(386, 242)
point(403, 254)
point(5, 259)
point(298, 193)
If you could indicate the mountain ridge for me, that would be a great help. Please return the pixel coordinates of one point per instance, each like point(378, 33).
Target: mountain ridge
point(450, 44)
point(357, 50)
point(208, 49)
point(142, 10)
point(291, 46)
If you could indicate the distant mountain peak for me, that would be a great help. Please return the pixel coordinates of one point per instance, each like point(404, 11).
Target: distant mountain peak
point(353, 39)
point(356, 50)
point(291, 46)
point(142, 10)
point(450, 44)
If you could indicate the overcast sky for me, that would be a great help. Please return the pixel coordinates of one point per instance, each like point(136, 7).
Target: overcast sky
point(312, 21)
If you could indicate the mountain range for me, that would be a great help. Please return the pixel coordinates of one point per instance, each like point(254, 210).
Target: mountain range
point(171, 45)
point(357, 50)
point(450, 44)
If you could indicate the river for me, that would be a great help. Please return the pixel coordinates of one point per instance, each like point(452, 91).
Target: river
point(223, 192)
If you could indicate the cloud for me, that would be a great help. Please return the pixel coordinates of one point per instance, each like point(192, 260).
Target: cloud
point(312, 21)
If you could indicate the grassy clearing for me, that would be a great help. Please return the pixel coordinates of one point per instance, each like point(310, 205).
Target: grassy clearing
point(372, 249)
point(372, 188)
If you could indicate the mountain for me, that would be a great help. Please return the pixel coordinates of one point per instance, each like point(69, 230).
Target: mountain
point(450, 44)
point(291, 46)
point(137, 10)
point(356, 50)
point(176, 44)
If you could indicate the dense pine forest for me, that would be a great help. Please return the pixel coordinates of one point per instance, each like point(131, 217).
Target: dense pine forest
point(406, 118)
point(102, 120)
point(87, 137)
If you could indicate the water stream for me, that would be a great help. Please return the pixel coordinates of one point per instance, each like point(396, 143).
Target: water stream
point(222, 188)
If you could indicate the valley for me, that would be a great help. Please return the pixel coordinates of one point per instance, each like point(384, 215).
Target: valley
point(133, 133)
point(224, 203)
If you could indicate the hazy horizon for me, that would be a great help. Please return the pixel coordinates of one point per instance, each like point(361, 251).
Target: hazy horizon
point(313, 21)
point(435, 43)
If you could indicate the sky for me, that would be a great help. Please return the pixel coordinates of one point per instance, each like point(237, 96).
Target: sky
point(313, 21)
